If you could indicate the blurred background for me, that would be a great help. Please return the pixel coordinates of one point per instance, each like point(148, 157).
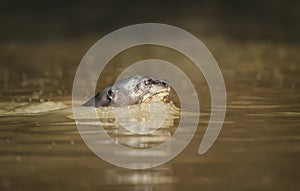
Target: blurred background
point(256, 43)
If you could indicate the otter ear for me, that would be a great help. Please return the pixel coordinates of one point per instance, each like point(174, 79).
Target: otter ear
point(110, 95)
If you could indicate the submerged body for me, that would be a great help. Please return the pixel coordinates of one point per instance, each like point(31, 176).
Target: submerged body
point(130, 91)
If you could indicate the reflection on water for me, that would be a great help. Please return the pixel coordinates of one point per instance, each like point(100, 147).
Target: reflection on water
point(256, 44)
point(258, 149)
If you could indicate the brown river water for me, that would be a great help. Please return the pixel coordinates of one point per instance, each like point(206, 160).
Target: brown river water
point(258, 147)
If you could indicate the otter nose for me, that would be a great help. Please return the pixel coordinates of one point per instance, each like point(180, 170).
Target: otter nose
point(164, 83)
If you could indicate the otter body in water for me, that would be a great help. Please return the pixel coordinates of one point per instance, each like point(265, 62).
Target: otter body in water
point(130, 91)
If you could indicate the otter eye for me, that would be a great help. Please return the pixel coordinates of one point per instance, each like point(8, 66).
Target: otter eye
point(147, 82)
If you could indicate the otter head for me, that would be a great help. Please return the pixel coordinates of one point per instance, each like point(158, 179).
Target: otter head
point(130, 91)
point(148, 88)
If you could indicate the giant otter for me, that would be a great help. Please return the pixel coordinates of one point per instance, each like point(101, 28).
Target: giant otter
point(130, 91)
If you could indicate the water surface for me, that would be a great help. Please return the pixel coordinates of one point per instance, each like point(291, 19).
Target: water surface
point(257, 149)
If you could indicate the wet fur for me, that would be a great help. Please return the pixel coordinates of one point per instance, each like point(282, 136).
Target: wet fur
point(129, 91)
